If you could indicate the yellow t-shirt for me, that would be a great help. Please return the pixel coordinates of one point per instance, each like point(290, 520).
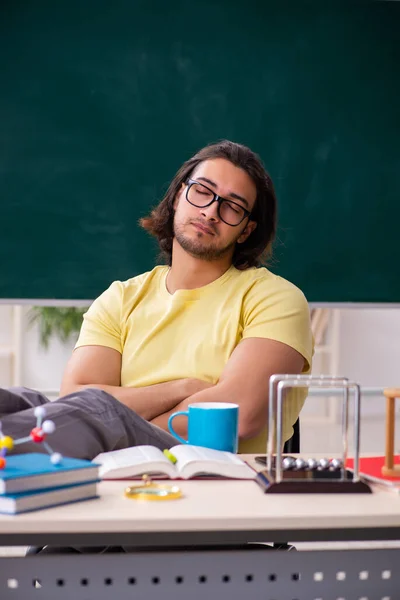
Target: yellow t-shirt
point(192, 333)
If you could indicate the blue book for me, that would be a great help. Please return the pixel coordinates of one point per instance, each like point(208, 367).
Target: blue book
point(34, 471)
point(13, 504)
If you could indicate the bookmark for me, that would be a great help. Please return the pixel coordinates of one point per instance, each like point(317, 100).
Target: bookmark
point(170, 456)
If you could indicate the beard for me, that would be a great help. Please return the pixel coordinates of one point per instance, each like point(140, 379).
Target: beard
point(199, 247)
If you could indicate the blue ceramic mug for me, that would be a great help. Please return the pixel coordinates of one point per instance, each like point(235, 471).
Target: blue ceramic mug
point(210, 424)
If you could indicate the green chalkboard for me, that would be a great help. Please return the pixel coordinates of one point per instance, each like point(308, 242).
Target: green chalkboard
point(101, 101)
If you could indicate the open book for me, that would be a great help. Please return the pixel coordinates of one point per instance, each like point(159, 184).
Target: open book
point(191, 461)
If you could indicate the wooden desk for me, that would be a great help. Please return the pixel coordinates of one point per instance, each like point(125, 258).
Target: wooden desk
point(211, 512)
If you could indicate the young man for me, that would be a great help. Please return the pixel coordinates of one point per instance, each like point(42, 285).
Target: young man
point(210, 326)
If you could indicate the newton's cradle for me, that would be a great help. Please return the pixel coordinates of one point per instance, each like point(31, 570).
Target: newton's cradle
point(301, 475)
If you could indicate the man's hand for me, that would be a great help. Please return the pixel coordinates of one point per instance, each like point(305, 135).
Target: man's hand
point(100, 367)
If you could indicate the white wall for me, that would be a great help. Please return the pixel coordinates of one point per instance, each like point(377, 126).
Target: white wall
point(370, 351)
point(5, 345)
point(40, 369)
point(43, 369)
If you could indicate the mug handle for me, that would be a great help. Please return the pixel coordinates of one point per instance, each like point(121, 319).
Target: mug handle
point(178, 437)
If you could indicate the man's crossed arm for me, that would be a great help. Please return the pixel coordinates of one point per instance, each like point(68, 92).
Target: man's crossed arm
point(243, 381)
point(100, 367)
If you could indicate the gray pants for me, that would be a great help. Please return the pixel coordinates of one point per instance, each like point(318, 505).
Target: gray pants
point(87, 423)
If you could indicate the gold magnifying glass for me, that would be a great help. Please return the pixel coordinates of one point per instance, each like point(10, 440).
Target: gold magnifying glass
point(148, 490)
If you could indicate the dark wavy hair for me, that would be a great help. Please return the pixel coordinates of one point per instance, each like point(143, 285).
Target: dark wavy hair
point(258, 246)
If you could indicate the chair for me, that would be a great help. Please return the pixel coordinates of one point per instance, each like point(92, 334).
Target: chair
point(292, 445)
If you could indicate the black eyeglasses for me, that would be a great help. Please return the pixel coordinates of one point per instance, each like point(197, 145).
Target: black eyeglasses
point(229, 212)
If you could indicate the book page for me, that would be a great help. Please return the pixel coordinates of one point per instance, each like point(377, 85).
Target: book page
point(197, 460)
point(133, 461)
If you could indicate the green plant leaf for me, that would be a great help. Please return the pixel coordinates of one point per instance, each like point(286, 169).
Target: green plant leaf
point(61, 322)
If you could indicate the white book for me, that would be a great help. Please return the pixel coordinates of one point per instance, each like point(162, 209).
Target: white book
point(191, 461)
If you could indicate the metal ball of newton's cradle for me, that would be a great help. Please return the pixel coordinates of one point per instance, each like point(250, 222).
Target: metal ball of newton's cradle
point(323, 464)
point(336, 464)
point(300, 464)
point(312, 464)
point(288, 463)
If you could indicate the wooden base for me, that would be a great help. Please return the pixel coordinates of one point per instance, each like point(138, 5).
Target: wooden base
point(311, 486)
point(394, 472)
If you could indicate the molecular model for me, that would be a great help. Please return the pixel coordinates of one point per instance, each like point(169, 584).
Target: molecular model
point(37, 435)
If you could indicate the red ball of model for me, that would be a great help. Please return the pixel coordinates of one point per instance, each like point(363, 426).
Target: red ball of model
point(37, 435)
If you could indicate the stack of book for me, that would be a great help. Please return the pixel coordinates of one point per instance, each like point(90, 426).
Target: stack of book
point(31, 481)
